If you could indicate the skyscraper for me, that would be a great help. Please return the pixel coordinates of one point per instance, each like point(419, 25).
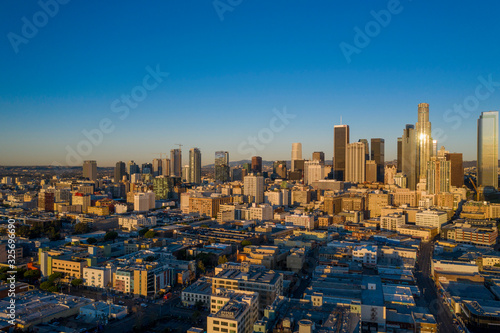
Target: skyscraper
point(165, 167)
point(367, 146)
point(399, 156)
point(195, 165)
point(487, 149)
point(313, 171)
point(253, 186)
point(132, 168)
point(257, 164)
point(355, 162)
point(319, 156)
point(280, 169)
point(222, 166)
point(90, 170)
point(423, 140)
point(408, 156)
point(157, 167)
point(340, 141)
point(296, 153)
point(457, 169)
point(120, 171)
point(377, 155)
point(175, 162)
point(438, 175)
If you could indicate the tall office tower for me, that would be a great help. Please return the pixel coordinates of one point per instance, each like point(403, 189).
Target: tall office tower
point(186, 174)
point(175, 162)
point(423, 140)
point(457, 169)
point(280, 169)
point(438, 175)
point(377, 155)
point(313, 171)
point(120, 171)
point(236, 174)
point(400, 152)
point(132, 168)
point(90, 170)
point(434, 147)
point(319, 156)
point(355, 162)
point(222, 166)
point(487, 149)
point(253, 186)
point(257, 164)
point(157, 167)
point(147, 168)
point(195, 165)
point(296, 153)
point(340, 141)
point(408, 156)
point(367, 153)
point(165, 167)
point(371, 171)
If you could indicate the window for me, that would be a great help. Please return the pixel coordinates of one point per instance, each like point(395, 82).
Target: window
point(224, 323)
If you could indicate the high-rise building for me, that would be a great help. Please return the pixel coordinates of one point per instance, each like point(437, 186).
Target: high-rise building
point(257, 164)
point(90, 170)
point(313, 171)
point(399, 156)
point(408, 156)
point(157, 167)
point(147, 168)
point(222, 166)
point(280, 169)
point(186, 174)
point(319, 156)
point(371, 171)
point(175, 162)
point(236, 174)
point(367, 146)
point(434, 148)
point(120, 171)
point(377, 155)
point(423, 140)
point(355, 162)
point(438, 175)
point(340, 141)
point(195, 165)
point(296, 153)
point(487, 149)
point(165, 167)
point(457, 169)
point(132, 168)
point(254, 188)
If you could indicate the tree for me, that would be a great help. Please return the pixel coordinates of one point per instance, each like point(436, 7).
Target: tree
point(81, 228)
point(76, 282)
point(110, 235)
point(201, 266)
point(246, 243)
point(150, 234)
point(32, 275)
point(91, 240)
point(45, 285)
point(55, 277)
point(143, 231)
point(222, 260)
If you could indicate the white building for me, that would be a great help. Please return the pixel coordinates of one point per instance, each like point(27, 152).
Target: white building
point(365, 254)
point(303, 221)
point(313, 171)
point(262, 213)
point(392, 221)
point(142, 202)
point(98, 277)
point(431, 219)
point(274, 198)
point(120, 208)
point(254, 187)
point(134, 222)
point(103, 311)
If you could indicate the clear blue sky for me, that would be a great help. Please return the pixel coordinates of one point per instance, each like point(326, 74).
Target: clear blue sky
point(226, 76)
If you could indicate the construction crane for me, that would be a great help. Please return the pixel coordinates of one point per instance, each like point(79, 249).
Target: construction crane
point(474, 185)
point(180, 145)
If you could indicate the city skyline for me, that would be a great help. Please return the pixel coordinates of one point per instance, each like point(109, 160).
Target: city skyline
point(65, 80)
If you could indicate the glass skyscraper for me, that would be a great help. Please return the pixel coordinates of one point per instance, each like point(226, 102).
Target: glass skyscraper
point(487, 149)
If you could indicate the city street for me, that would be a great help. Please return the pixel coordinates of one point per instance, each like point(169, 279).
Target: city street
point(429, 296)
